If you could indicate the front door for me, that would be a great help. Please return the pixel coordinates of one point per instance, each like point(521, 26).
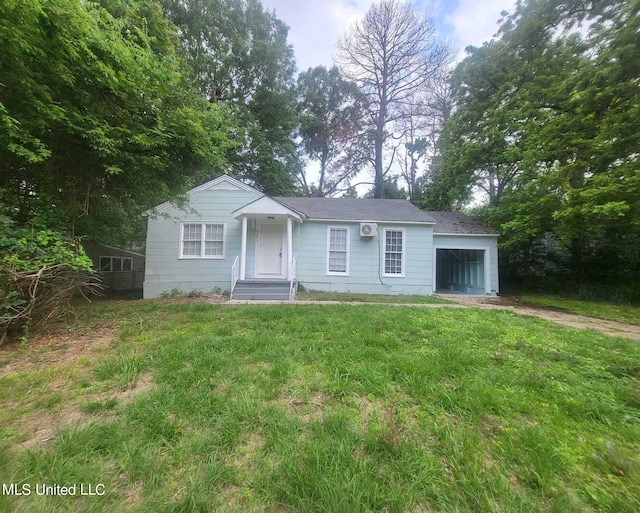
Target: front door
point(269, 258)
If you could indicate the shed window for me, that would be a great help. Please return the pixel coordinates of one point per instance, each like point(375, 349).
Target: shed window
point(338, 251)
point(202, 240)
point(110, 264)
point(394, 251)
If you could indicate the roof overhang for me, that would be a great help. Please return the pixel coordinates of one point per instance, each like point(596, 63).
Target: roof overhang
point(266, 206)
point(467, 234)
point(422, 223)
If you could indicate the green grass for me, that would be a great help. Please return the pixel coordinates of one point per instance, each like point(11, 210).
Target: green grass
point(348, 297)
point(327, 408)
point(599, 309)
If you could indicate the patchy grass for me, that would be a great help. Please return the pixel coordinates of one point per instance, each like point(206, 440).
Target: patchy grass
point(599, 309)
point(197, 407)
point(347, 297)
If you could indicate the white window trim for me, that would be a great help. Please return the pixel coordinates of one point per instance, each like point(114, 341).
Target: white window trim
point(348, 229)
point(111, 257)
point(202, 256)
point(404, 252)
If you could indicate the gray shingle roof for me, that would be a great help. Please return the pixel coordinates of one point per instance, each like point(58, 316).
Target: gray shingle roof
point(381, 210)
point(456, 222)
point(357, 209)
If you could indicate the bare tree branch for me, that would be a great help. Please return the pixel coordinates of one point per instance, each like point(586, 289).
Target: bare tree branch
point(393, 56)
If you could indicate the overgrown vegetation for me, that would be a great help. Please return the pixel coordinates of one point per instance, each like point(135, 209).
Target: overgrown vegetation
point(40, 271)
point(197, 407)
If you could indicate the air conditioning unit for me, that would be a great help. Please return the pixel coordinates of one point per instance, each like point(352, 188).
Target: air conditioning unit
point(368, 229)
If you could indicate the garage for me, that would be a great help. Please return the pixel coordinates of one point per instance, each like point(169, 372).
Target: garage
point(465, 253)
point(460, 271)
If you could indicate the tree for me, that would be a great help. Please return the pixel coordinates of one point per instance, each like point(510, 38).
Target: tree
point(98, 119)
point(544, 124)
point(330, 111)
point(418, 134)
point(390, 190)
point(392, 55)
point(242, 61)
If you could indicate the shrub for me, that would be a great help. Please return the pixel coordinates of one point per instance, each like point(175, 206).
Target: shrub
point(40, 271)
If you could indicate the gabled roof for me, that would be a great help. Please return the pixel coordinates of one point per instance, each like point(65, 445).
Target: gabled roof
point(357, 209)
point(224, 183)
point(267, 206)
point(457, 223)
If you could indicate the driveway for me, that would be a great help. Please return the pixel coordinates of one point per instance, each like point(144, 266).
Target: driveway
point(616, 329)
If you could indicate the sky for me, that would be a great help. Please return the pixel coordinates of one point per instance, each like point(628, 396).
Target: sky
point(316, 25)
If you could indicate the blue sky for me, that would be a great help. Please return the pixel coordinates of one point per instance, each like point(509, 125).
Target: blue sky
point(315, 25)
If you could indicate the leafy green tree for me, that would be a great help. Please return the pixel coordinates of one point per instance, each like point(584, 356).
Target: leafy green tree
point(330, 111)
point(242, 61)
point(544, 125)
point(390, 190)
point(98, 117)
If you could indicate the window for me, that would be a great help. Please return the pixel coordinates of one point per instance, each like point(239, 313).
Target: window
point(338, 251)
point(202, 240)
point(110, 264)
point(394, 243)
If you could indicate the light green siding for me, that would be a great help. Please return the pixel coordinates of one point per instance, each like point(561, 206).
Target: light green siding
point(365, 260)
point(165, 271)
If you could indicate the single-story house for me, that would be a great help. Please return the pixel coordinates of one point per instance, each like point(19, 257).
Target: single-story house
point(120, 269)
point(232, 237)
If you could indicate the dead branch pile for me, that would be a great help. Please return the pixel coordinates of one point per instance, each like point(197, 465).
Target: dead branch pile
point(31, 299)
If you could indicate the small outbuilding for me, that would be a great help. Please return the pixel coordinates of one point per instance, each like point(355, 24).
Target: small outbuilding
point(120, 269)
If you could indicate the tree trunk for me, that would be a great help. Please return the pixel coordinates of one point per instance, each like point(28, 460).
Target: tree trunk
point(577, 264)
point(379, 140)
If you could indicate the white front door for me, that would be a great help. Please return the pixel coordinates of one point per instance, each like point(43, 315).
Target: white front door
point(269, 258)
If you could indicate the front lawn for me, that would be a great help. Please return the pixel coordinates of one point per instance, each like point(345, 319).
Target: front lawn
point(195, 408)
point(600, 309)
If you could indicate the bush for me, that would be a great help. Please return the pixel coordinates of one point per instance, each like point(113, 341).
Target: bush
point(40, 271)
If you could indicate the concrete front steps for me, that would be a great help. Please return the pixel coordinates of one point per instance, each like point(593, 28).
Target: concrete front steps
point(261, 290)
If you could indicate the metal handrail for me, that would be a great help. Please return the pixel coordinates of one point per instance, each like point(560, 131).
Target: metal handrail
point(235, 274)
point(292, 276)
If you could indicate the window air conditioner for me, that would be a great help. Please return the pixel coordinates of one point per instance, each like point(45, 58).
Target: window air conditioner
point(368, 229)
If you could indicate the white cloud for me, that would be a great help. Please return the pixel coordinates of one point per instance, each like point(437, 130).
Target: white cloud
point(316, 25)
point(475, 22)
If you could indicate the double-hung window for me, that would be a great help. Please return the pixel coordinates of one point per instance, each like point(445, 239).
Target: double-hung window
point(394, 252)
point(202, 240)
point(338, 251)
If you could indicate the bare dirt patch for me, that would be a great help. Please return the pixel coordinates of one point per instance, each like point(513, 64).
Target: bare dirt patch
point(616, 329)
point(40, 426)
point(61, 357)
point(56, 350)
point(307, 404)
